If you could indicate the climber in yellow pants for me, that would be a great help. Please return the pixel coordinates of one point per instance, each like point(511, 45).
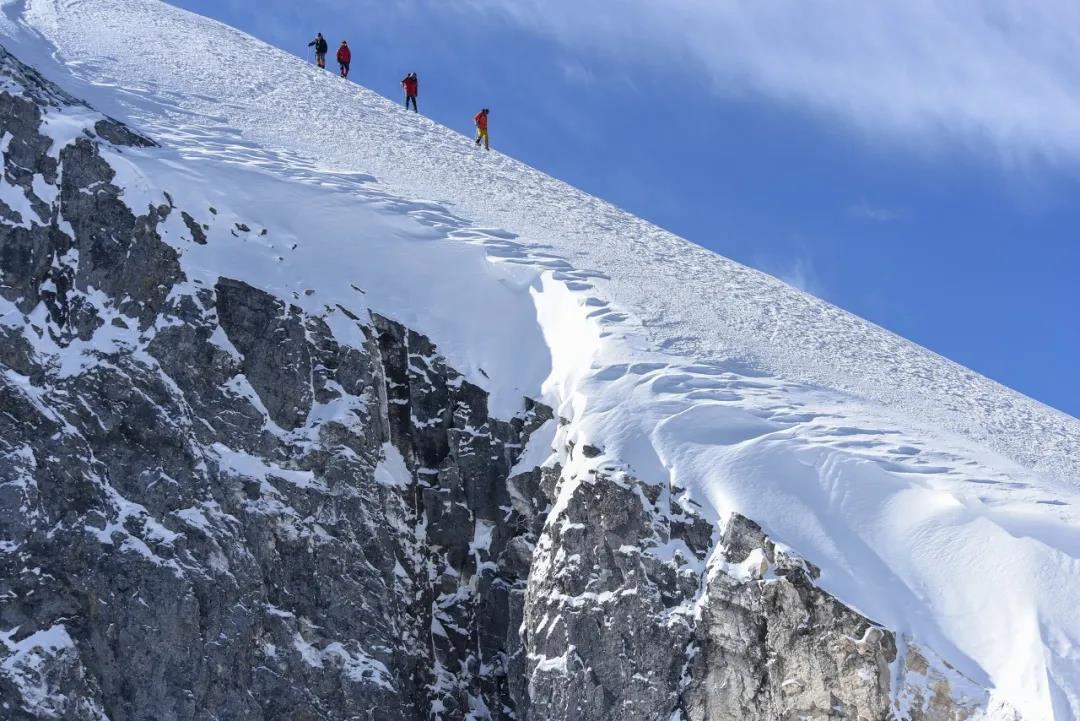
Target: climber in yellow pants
point(481, 121)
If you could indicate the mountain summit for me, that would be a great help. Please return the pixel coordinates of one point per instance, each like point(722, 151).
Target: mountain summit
point(332, 415)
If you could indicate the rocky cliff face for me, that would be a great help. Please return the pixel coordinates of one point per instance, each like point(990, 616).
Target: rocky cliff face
point(215, 506)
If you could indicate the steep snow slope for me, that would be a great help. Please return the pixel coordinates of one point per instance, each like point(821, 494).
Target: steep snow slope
point(179, 75)
point(935, 501)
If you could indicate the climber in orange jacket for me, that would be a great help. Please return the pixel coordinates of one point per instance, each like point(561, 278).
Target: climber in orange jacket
point(481, 121)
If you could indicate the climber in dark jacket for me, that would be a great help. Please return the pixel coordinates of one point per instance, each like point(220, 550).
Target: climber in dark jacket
point(321, 49)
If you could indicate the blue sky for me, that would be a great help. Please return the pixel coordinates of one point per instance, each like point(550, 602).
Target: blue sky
point(915, 163)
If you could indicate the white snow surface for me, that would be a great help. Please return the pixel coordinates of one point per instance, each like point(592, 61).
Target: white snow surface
point(936, 501)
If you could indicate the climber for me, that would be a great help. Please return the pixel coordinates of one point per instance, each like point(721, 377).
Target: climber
point(411, 85)
point(320, 50)
point(344, 57)
point(481, 121)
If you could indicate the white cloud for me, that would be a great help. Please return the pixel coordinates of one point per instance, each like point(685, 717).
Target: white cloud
point(995, 75)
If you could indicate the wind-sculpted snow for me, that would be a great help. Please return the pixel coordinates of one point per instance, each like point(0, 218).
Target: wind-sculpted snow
point(938, 507)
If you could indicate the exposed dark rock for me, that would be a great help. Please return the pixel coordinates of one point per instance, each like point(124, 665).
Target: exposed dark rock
point(119, 134)
point(198, 235)
point(272, 342)
point(119, 253)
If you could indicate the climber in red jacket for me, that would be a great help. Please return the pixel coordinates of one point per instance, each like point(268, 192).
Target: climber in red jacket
point(481, 121)
point(344, 57)
point(411, 84)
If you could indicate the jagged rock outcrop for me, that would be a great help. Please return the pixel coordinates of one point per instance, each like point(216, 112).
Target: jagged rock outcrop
point(198, 519)
point(736, 627)
point(214, 507)
point(751, 637)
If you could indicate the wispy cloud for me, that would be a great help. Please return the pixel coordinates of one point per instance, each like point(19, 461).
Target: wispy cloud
point(877, 214)
point(576, 72)
point(998, 76)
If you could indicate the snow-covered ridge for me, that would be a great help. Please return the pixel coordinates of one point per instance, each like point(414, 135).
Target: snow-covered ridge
point(914, 483)
point(195, 84)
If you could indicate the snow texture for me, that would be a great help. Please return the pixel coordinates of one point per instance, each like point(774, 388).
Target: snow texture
point(935, 501)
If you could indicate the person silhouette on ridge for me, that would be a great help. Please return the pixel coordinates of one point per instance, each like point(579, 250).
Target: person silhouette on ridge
point(320, 50)
point(411, 84)
point(481, 121)
point(344, 57)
